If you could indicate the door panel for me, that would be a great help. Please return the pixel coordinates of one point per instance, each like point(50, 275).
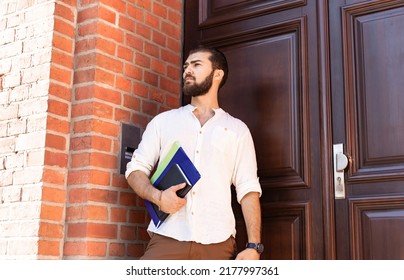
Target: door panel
point(370, 222)
point(273, 88)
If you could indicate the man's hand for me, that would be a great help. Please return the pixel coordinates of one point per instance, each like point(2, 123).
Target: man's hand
point(248, 254)
point(170, 202)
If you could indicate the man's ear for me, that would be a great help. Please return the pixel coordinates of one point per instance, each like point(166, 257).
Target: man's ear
point(218, 74)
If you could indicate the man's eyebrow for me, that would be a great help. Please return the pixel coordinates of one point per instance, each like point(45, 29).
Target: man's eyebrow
point(192, 62)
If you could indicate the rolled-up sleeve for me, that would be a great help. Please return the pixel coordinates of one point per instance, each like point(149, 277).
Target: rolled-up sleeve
point(245, 177)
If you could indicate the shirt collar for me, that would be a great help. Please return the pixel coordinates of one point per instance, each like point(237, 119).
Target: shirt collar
point(191, 108)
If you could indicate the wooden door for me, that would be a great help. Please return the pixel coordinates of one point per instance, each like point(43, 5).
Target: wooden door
point(273, 86)
point(367, 66)
point(304, 75)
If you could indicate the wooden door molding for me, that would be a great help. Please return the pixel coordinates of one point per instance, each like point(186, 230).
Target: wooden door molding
point(372, 219)
point(375, 151)
point(214, 13)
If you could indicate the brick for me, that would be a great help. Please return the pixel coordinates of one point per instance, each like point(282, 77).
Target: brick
point(104, 77)
point(89, 248)
point(121, 115)
point(33, 107)
point(52, 212)
point(78, 195)
point(91, 142)
point(169, 85)
point(119, 181)
point(94, 230)
point(126, 23)
point(56, 159)
point(118, 215)
point(31, 175)
point(19, 211)
point(84, 76)
point(105, 196)
point(51, 230)
point(142, 61)
point(60, 91)
point(149, 108)
point(56, 195)
point(108, 31)
point(35, 158)
point(96, 177)
point(159, 10)
point(11, 194)
point(134, 42)
point(116, 249)
point(140, 89)
point(22, 247)
point(152, 49)
point(133, 72)
point(14, 160)
point(85, 60)
point(62, 58)
point(105, 45)
point(8, 112)
point(80, 160)
point(57, 125)
point(127, 199)
point(87, 212)
point(61, 75)
point(128, 233)
point(55, 141)
point(143, 30)
point(31, 193)
point(137, 216)
point(65, 12)
point(49, 248)
point(125, 53)
point(175, 17)
point(64, 27)
point(99, 126)
point(152, 21)
point(109, 63)
point(62, 43)
point(103, 160)
point(106, 14)
point(131, 102)
point(87, 14)
point(85, 44)
point(7, 145)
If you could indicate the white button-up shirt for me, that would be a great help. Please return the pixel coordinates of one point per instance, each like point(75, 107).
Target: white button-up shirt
point(223, 152)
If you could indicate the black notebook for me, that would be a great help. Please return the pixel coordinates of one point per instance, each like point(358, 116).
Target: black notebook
point(174, 176)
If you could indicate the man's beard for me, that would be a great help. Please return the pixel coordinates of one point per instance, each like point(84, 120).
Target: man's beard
point(199, 89)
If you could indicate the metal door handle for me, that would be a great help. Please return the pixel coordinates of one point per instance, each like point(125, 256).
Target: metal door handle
point(340, 163)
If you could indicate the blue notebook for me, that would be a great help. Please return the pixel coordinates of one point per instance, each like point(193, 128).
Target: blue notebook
point(174, 169)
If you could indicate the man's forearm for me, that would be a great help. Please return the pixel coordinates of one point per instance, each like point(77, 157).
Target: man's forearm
point(140, 183)
point(251, 208)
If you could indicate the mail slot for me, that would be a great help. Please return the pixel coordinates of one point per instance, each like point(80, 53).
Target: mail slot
point(130, 139)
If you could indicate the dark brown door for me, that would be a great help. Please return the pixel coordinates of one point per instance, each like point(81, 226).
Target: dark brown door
point(367, 66)
point(273, 86)
point(305, 74)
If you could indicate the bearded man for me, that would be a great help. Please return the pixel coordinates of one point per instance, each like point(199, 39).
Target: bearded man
point(202, 224)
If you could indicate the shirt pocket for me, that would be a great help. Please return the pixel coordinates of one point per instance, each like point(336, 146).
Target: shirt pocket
point(224, 140)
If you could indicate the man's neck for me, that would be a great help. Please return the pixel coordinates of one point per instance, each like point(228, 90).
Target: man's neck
point(205, 106)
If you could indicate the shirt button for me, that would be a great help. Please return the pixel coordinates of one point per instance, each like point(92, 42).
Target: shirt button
point(200, 132)
point(197, 151)
point(193, 193)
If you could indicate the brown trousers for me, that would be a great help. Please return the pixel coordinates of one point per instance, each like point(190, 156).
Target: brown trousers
point(165, 248)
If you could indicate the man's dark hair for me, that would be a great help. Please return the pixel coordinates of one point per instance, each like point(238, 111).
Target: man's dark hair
point(218, 60)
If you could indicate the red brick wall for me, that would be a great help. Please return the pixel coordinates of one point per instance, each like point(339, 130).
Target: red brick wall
point(54, 179)
point(127, 58)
